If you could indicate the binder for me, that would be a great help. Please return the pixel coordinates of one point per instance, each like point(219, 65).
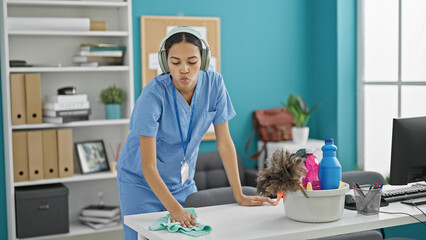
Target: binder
point(50, 154)
point(17, 99)
point(20, 156)
point(33, 98)
point(35, 155)
point(97, 25)
point(65, 153)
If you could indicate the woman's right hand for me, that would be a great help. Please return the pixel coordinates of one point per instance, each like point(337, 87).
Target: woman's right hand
point(185, 218)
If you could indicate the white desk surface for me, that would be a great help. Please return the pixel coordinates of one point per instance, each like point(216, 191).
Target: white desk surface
point(233, 221)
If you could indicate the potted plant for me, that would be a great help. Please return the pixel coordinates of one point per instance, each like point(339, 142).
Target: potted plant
point(301, 113)
point(113, 97)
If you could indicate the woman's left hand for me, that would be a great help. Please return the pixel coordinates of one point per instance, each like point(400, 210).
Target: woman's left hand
point(254, 200)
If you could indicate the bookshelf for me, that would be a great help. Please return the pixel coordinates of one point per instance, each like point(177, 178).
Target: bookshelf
point(59, 47)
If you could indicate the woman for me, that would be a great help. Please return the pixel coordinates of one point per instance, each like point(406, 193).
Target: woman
point(157, 165)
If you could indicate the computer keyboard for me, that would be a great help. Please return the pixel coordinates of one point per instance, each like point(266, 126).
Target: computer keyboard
point(404, 193)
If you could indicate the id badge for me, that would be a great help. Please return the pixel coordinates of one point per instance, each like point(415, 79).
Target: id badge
point(184, 172)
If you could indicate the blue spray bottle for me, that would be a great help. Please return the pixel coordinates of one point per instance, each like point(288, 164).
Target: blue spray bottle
point(330, 170)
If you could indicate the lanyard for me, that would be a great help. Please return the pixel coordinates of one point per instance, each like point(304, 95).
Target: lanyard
point(184, 144)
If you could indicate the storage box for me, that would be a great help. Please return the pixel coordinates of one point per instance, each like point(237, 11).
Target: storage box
point(321, 206)
point(41, 210)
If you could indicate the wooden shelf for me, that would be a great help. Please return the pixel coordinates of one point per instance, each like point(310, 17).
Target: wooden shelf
point(103, 4)
point(70, 69)
point(75, 178)
point(100, 122)
point(77, 229)
point(69, 33)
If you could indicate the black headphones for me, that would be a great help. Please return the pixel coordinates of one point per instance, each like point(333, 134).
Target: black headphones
point(205, 52)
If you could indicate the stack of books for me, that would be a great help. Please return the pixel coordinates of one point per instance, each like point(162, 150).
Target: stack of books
point(98, 217)
point(66, 108)
point(99, 54)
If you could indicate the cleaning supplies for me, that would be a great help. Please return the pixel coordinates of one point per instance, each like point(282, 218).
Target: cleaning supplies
point(330, 170)
point(312, 166)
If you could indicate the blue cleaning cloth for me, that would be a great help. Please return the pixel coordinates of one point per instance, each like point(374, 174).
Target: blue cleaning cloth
point(165, 223)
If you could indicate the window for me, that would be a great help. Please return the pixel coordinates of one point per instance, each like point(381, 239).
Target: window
point(391, 74)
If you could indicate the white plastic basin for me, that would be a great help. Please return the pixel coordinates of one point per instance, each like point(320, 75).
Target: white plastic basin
point(321, 206)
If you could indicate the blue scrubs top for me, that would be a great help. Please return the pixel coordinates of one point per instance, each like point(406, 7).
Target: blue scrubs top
point(154, 116)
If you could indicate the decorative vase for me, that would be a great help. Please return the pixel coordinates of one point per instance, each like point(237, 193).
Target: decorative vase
point(300, 134)
point(113, 111)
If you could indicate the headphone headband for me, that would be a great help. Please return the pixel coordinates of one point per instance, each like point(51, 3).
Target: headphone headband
point(205, 52)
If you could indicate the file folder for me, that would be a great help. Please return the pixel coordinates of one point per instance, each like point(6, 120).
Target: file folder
point(50, 154)
point(17, 99)
point(65, 153)
point(20, 156)
point(33, 98)
point(35, 155)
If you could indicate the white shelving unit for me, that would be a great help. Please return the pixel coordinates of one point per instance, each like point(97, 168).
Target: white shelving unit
point(59, 47)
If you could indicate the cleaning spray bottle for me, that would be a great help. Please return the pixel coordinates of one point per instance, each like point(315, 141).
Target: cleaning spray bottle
point(312, 166)
point(330, 170)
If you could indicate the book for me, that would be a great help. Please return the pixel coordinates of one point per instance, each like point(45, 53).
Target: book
point(98, 64)
point(96, 211)
point(99, 44)
point(100, 53)
point(21, 63)
point(48, 23)
point(96, 48)
point(75, 112)
point(79, 59)
point(99, 219)
point(65, 98)
point(66, 119)
point(18, 63)
point(101, 225)
point(45, 65)
point(57, 106)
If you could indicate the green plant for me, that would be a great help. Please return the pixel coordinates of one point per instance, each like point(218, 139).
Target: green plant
point(299, 109)
point(113, 95)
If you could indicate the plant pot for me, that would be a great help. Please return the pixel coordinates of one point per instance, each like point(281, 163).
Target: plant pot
point(300, 134)
point(113, 111)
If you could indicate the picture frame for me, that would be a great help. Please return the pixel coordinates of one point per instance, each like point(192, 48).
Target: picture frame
point(92, 157)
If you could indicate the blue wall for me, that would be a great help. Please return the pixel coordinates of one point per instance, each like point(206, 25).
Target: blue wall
point(263, 53)
point(332, 74)
point(269, 50)
point(346, 82)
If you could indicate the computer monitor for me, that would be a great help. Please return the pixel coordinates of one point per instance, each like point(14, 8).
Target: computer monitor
point(408, 157)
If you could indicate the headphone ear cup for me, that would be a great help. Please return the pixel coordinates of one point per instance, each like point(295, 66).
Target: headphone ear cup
point(205, 59)
point(162, 60)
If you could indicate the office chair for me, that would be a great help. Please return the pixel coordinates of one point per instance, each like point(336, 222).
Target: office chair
point(210, 173)
point(362, 177)
point(212, 183)
point(215, 196)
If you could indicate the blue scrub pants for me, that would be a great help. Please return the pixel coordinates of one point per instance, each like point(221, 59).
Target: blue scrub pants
point(137, 198)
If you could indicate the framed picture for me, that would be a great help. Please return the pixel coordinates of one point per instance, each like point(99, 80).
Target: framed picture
point(92, 156)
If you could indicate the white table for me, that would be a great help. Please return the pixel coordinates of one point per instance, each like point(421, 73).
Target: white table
point(233, 221)
point(290, 146)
